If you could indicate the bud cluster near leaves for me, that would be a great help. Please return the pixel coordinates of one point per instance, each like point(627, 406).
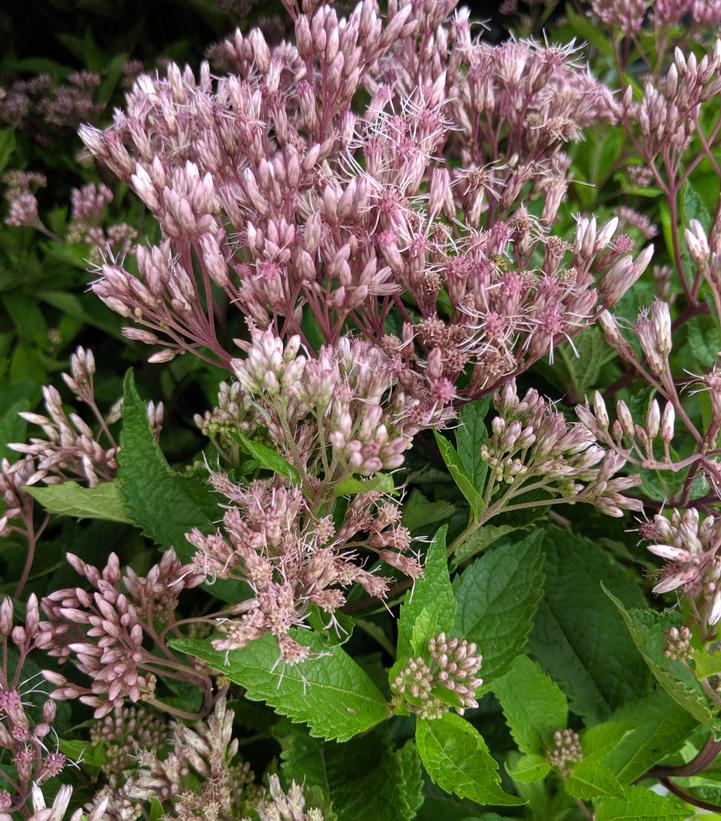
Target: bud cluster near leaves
point(360, 416)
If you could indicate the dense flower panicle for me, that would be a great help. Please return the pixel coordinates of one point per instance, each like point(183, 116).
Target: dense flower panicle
point(26, 732)
point(103, 632)
point(71, 449)
point(123, 732)
point(293, 560)
point(200, 776)
point(343, 214)
point(689, 545)
point(668, 113)
point(444, 678)
point(20, 196)
point(627, 15)
point(285, 806)
point(352, 399)
point(529, 440)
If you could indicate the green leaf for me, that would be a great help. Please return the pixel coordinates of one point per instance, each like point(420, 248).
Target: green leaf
point(160, 501)
point(458, 761)
point(7, 146)
point(470, 435)
point(12, 428)
point(653, 728)
point(382, 482)
point(578, 636)
point(91, 757)
point(432, 595)
point(270, 460)
point(704, 340)
point(588, 780)
point(89, 311)
point(418, 511)
point(639, 804)
point(577, 372)
point(71, 499)
point(593, 35)
point(363, 778)
point(533, 705)
point(478, 541)
point(497, 598)
point(527, 769)
point(329, 692)
point(647, 628)
point(706, 663)
point(164, 504)
point(460, 477)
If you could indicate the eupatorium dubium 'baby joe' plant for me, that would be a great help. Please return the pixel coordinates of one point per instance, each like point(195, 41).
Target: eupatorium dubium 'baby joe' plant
point(460, 305)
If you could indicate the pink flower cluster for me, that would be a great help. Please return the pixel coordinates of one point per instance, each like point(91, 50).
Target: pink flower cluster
point(294, 560)
point(277, 199)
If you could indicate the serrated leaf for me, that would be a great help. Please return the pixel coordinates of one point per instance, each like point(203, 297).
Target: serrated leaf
point(71, 499)
point(471, 433)
point(363, 778)
point(382, 482)
point(270, 460)
point(478, 541)
point(654, 727)
point(532, 703)
point(647, 628)
point(527, 769)
point(497, 598)
point(639, 804)
point(329, 692)
point(578, 637)
point(158, 500)
point(458, 761)
point(433, 594)
point(458, 473)
point(589, 780)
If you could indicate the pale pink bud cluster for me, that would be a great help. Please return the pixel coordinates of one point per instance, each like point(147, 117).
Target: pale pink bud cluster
point(450, 665)
point(21, 199)
point(285, 806)
point(70, 449)
point(668, 112)
point(632, 441)
point(104, 631)
point(626, 15)
point(677, 643)
point(294, 560)
point(689, 545)
point(366, 405)
point(529, 440)
point(122, 732)
point(566, 750)
point(234, 413)
point(88, 202)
